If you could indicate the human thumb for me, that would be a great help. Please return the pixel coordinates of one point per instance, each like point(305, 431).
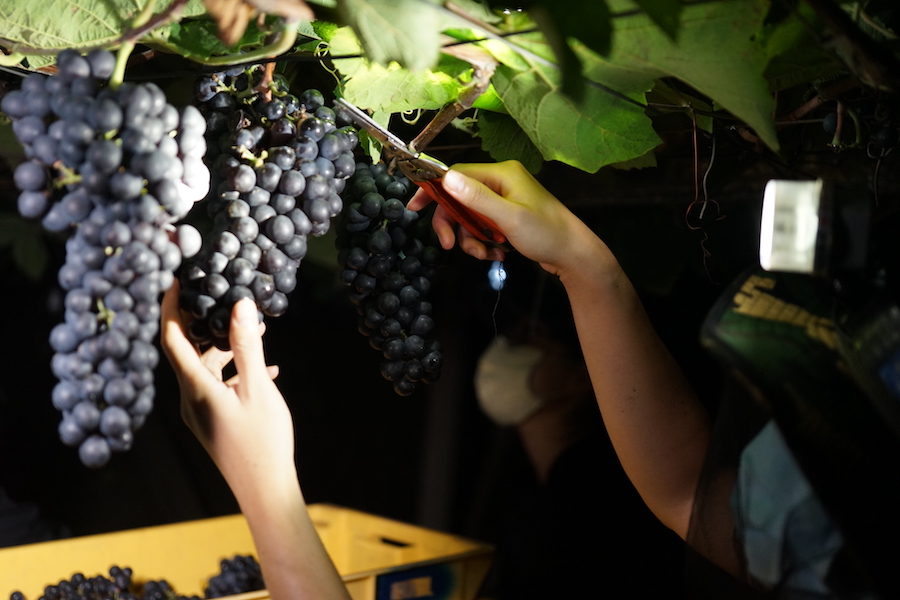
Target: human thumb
point(471, 193)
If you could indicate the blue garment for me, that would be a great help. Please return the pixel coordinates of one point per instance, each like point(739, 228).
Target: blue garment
point(788, 539)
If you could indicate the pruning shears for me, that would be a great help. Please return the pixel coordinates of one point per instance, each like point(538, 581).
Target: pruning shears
point(426, 172)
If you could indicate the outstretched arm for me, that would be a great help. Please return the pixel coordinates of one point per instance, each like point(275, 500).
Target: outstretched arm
point(658, 427)
point(246, 427)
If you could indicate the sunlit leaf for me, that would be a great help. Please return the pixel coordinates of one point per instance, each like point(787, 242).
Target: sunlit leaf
point(599, 130)
point(390, 88)
point(405, 31)
point(58, 24)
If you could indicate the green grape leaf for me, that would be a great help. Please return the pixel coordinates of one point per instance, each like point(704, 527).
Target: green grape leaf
point(367, 143)
point(324, 30)
point(641, 162)
point(37, 61)
point(405, 31)
point(196, 39)
point(600, 130)
point(794, 55)
point(664, 97)
point(199, 39)
point(390, 88)
point(57, 24)
point(664, 13)
point(588, 22)
point(478, 10)
point(503, 139)
point(716, 53)
point(489, 100)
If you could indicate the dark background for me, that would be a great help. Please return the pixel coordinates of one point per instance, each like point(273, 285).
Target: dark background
point(431, 458)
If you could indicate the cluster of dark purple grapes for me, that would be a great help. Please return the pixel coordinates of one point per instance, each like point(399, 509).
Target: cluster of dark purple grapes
point(238, 575)
point(118, 167)
point(118, 586)
point(389, 259)
point(281, 162)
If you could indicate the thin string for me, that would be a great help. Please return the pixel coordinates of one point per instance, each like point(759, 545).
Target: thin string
point(712, 157)
point(502, 278)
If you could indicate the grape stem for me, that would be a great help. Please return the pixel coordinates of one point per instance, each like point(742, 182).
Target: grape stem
point(265, 87)
point(483, 67)
point(829, 93)
point(11, 59)
point(118, 75)
point(67, 175)
point(104, 314)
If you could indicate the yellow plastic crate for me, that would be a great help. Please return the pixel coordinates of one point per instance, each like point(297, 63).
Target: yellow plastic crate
point(378, 558)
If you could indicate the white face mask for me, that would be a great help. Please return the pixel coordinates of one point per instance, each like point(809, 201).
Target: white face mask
point(502, 382)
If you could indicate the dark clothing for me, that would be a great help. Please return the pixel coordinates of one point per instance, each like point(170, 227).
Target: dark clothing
point(586, 533)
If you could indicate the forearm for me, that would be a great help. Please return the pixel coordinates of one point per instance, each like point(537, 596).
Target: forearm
point(294, 562)
point(659, 429)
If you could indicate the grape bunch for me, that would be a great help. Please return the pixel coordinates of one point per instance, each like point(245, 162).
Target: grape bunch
point(238, 575)
point(117, 168)
point(390, 258)
point(118, 585)
point(280, 162)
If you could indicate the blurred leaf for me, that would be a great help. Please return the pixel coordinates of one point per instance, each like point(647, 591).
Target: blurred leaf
point(390, 88)
point(567, 61)
point(405, 31)
point(59, 24)
point(324, 29)
point(588, 22)
point(503, 139)
point(665, 13)
point(795, 56)
point(199, 39)
point(489, 100)
point(232, 17)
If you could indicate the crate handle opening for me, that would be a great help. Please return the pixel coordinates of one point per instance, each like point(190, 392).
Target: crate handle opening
point(393, 542)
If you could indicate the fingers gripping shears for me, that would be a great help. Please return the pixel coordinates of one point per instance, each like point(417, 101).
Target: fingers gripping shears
point(427, 173)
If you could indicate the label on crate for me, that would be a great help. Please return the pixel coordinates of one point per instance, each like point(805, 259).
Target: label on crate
point(434, 582)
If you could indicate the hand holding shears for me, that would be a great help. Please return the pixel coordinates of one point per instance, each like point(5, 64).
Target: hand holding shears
point(427, 173)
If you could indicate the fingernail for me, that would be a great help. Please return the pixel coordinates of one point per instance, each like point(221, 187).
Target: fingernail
point(454, 181)
point(245, 312)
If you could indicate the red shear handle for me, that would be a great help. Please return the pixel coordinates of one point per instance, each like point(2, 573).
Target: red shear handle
point(475, 223)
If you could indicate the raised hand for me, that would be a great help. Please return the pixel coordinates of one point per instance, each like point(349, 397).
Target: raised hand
point(243, 423)
point(537, 224)
point(247, 429)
